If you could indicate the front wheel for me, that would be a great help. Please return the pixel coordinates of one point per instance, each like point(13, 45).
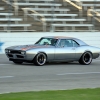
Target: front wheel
point(86, 58)
point(40, 59)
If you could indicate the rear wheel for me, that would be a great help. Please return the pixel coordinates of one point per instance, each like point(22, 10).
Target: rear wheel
point(40, 59)
point(86, 58)
point(18, 62)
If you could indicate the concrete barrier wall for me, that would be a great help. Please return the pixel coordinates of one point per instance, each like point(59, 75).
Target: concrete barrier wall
point(10, 39)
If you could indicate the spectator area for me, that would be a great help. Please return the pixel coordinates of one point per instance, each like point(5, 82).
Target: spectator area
point(49, 15)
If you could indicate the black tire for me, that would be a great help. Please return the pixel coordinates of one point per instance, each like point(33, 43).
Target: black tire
point(40, 59)
point(18, 62)
point(86, 58)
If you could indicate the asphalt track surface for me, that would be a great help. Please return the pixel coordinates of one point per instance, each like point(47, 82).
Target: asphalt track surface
point(53, 76)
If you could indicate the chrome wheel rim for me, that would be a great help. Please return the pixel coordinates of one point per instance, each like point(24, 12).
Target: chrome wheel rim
point(87, 58)
point(41, 59)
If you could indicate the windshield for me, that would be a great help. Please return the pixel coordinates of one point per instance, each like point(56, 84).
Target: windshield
point(47, 41)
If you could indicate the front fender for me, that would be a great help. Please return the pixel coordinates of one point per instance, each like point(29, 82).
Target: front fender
point(48, 51)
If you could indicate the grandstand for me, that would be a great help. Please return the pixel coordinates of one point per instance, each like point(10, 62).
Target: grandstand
point(49, 15)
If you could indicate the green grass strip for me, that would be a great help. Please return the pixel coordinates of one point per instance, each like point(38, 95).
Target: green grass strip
point(76, 94)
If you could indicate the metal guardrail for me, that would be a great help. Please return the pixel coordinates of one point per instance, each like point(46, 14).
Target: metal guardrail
point(77, 5)
point(26, 10)
point(93, 13)
point(11, 3)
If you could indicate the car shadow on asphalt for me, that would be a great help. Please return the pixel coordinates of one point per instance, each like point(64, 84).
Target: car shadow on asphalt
point(53, 63)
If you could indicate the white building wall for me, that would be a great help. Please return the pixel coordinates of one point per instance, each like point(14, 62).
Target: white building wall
point(10, 39)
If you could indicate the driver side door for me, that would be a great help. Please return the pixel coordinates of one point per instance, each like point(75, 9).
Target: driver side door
point(66, 51)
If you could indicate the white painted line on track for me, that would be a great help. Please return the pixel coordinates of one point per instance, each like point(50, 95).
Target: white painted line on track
point(79, 73)
point(6, 76)
point(5, 64)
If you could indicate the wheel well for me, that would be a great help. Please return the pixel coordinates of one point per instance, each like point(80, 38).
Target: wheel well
point(38, 53)
point(85, 52)
point(89, 52)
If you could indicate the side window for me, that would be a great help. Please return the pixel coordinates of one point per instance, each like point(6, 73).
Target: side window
point(67, 43)
point(71, 43)
point(62, 43)
point(75, 44)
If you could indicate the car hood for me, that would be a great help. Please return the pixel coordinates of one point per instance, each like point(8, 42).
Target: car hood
point(27, 47)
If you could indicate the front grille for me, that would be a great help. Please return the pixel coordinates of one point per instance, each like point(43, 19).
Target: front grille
point(9, 55)
point(15, 52)
point(19, 56)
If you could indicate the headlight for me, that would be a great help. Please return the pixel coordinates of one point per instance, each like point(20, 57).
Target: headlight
point(23, 52)
point(7, 51)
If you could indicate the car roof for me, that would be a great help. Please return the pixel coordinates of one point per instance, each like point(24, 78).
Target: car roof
point(80, 42)
point(58, 37)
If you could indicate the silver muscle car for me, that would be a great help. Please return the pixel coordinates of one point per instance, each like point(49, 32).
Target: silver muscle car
point(53, 48)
